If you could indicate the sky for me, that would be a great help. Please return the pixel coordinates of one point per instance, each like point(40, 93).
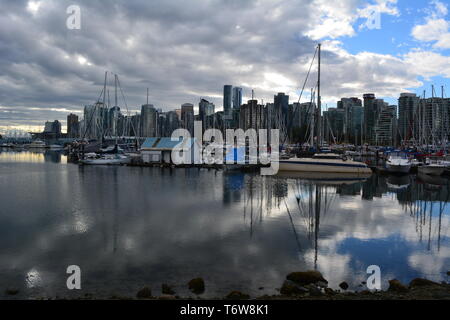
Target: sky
point(187, 50)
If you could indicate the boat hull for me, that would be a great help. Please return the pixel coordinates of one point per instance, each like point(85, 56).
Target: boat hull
point(398, 168)
point(432, 171)
point(327, 167)
point(105, 161)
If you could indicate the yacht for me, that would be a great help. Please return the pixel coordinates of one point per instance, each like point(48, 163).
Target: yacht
point(108, 159)
point(432, 167)
point(324, 162)
point(398, 163)
point(37, 144)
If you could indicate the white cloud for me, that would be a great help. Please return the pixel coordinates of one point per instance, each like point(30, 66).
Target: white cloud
point(436, 27)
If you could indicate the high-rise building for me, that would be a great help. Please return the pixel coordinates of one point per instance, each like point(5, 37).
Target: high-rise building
point(408, 106)
point(386, 126)
point(252, 116)
point(113, 121)
point(370, 117)
point(227, 99)
point(350, 106)
point(333, 125)
point(281, 113)
point(73, 127)
point(149, 121)
point(205, 109)
point(237, 97)
point(187, 117)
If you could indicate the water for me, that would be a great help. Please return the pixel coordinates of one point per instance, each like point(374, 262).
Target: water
point(129, 227)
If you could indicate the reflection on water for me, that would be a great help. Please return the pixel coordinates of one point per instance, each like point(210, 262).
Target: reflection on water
point(129, 227)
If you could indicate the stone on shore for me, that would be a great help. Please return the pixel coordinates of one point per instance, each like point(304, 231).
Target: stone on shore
point(290, 288)
point(396, 286)
point(307, 277)
point(197, 285)
point(343, 285)
point(144, 293)
point(166, 289)
point(419, 282)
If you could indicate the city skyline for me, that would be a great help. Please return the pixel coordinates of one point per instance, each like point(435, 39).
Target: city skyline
point(64, 73)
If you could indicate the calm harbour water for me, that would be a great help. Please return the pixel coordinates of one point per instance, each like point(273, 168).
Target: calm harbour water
point(129, 227)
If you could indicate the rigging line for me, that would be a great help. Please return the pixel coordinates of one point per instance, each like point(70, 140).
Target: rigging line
point(92, 115)
point(303, 88)
point(126, 106)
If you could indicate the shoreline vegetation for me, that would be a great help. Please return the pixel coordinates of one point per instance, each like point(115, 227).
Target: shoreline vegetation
point(307, 285)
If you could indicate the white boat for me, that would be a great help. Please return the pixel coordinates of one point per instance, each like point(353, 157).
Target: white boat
point(56, 147)
point(110, 159)
point(398, 163)
point(324, 162)
point(326, 178)
point(37, 144)
point(432, 167)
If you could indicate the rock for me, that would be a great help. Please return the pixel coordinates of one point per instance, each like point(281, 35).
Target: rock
point(419, 282)
point(313, 290)
point(305, 278)
point(329, 291)
point(397, 286)
point(11, 292)
point(291, 288)
point(237, 295)
point(166, 289)
point(343, 285)
point(322, 284)
point(261, 288)
point(448, 273)
point(197, 285)
point(144, 293)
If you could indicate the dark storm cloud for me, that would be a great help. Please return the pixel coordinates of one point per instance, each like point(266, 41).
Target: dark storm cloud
point(181, 50)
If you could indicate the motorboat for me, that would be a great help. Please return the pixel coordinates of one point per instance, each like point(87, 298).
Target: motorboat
point(324, 162)
point(56, 147)
point(326, 178)
point(398, 163)
point(109, 159)
point(37, 144)
point(432, 167)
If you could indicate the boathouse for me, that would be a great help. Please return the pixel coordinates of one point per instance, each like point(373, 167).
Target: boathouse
point(159, 150)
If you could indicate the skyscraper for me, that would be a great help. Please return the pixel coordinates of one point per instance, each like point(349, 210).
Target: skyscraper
point(227, 99)
point(205, 109)
point(370, 117)
point(408, 106)
point(237, 97)
point(149, 121)
point(72, 126)
point(187, 117)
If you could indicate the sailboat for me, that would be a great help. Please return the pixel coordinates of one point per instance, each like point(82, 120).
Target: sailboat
point(112, 156)
point(323, 162)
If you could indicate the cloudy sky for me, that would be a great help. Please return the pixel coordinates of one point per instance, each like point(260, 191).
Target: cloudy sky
point(186, 50)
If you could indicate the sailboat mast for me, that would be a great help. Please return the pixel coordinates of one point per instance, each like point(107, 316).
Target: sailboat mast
point(319, 106)
point(115, 88)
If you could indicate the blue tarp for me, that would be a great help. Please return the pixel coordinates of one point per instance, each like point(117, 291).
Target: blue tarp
point(235, 155)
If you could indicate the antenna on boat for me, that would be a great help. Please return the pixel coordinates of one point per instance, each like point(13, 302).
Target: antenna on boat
point(147, 95)
point(319, 106)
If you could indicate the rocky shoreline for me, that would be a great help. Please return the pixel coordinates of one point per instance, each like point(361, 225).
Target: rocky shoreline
point(305, 285)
